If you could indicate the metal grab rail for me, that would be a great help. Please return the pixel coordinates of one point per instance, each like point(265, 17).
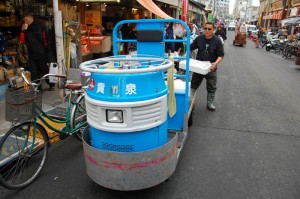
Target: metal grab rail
point(96, 66)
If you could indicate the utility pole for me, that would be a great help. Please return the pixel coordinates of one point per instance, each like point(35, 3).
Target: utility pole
point(269, 5)
point(214, 8)
point(245, 13)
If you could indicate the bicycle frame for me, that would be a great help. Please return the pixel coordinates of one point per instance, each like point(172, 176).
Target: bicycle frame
point(40, 114)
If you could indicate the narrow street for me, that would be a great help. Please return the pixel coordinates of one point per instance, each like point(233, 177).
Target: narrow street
point(248, 149)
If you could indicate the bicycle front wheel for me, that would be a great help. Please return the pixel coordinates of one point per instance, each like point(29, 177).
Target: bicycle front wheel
point(78, 117)
point(22, 155)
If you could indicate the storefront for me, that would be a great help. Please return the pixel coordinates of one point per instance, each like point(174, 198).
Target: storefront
point(96, 21)
point(83, 29)
point(80, 30)
point(12, 53)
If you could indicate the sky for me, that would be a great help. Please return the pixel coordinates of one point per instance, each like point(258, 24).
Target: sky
point(231, 4)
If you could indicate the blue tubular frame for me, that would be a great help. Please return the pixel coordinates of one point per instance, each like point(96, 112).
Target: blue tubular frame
point(161, 22)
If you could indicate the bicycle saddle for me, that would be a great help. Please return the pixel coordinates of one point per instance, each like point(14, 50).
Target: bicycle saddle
point(73, 85)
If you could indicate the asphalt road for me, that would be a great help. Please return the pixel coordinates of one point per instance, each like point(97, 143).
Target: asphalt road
point(248, 148)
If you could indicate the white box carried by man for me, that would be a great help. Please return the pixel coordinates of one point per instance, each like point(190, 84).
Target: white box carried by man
point(196, 66)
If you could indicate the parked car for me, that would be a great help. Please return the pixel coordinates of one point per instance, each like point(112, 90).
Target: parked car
point(231, 26)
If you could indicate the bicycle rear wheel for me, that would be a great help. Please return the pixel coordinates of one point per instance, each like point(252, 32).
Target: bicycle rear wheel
point(22, 157)
point(293, 51)
point(78, 117)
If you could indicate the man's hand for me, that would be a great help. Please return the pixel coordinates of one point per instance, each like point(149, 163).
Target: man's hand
point(24, 26)
point(213, 67)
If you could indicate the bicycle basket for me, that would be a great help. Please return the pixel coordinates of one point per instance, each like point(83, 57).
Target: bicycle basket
point(19, 104)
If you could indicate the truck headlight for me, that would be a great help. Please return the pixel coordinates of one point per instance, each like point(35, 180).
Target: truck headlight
point(114, 116)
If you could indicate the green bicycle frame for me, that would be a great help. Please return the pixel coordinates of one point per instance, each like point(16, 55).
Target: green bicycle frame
point(40, 114)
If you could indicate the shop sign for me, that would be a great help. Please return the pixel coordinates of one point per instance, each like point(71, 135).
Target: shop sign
point(268, 17)
point(293, 11)
point(295, 2)
point(277, 5)
point(279, 15)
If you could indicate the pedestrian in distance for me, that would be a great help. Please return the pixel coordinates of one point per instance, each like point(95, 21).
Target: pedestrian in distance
point(179, 33)
point(260, 35)
point(125, 31)
point(220, 33)
point(210, 49)
point(132, 35)
point(169, 46)
point(35, 38)
point(224, 29)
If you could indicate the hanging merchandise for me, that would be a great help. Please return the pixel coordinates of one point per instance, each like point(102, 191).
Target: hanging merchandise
point(53, 70)
point(73, 53)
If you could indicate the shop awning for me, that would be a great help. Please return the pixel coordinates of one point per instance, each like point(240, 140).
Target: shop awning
point(149, 5)
point(170, 2)
point(200, 5)
point(295, 20)
point(284, 21)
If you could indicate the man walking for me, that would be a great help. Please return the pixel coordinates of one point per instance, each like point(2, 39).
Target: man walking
point(210, 48)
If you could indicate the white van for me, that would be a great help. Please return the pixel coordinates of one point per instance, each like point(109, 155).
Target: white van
point(251, 28)
point(231, 26)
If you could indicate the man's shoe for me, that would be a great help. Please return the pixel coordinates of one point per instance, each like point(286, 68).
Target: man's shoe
point(51, 88)
point(211, 107)
point(210, 99)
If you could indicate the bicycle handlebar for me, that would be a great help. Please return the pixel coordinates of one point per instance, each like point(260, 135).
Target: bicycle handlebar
point(35, 85)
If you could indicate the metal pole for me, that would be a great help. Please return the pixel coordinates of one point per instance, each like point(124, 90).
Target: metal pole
point(246, 10)
point(58, 36)
point(245, 13)
point(214, 8)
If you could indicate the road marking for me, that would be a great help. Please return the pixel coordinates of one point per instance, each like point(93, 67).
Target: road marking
point(237, 84)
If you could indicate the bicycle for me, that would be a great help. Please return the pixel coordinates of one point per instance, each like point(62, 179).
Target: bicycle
point(24, 148)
